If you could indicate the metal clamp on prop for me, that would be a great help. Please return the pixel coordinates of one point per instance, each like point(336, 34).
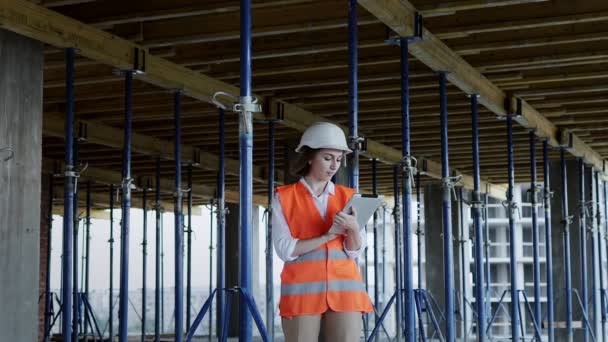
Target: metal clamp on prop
point(450, 183)
point(567, 221)
point(357, 143)
point(533, 192)
point(409, 166)
point(476, 202)
point(180, 192)
point(511, 206)
point(240, 104)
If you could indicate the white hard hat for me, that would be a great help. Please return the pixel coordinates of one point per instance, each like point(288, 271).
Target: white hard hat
point(324, 135)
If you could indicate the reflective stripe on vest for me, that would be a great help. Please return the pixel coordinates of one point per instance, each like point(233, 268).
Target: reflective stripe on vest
point(325, 278)
point(321, 254)
point(321, 287)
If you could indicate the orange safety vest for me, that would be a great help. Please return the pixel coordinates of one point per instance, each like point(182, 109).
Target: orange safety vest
point(324, 278)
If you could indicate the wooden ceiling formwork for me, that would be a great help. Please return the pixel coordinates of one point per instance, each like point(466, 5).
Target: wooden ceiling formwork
point(551, 54)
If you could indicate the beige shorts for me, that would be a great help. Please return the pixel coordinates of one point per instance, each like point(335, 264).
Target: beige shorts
point(337, 327)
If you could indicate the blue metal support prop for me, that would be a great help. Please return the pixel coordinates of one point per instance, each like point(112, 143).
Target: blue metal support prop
point(111, 242)
point(548, 243)
point(398, 269)
point(511, 208)
point(486, 226)
point(123, 301)
point(582, 224)
point(144, 266)
point(87, 251)
point(221, 219)
point(68, 202)
point(211, 267)
point(595, 289)
point(408, 172)
point(419, 231)
point(245, 183)
point(566, 221)
point(157, 257)
point(76, 219)
point(535, 233)
point(598, 222)
point(477, 206)
point(353, 97)
point(269, 255)
point(48, 295)
point(376, 242)
point(605, 228)
point(189, 248)
point(447, 185)
point(398, 288)
point(177, 213)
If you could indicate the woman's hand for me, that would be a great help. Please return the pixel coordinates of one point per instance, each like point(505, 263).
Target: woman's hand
point(347, 221)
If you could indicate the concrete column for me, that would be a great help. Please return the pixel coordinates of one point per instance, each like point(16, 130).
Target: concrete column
point(20, 129)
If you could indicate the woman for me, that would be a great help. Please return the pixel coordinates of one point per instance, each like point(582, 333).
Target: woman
point(320, 280)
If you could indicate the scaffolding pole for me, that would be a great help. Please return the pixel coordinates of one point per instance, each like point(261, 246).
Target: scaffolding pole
point(157, 256)
point(353, 96)
point(408, 173)
point(68, 202)
point(87, 250)
point(178, 219)
point(582, 224)
point(144, 266)
point(398, 246)
point(535, 232)
point(245, 182)
point(269, 267)
point(488, 277)
point(566, 221)
point(548, 242)
point(477, 205)
point(76, 219)
point(598, 222)
point(376, 250)
point(123, 306)
point(221, 220)
point(595, 252)
point(447, 186)
point(512, 207)
point(111, 243)
point(189, 248)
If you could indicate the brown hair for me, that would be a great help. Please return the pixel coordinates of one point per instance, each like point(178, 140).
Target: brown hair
point(300, 166)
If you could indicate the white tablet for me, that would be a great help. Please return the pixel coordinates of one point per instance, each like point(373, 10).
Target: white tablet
point(365, 205)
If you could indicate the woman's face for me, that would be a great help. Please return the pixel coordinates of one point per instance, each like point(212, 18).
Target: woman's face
point(325, 164)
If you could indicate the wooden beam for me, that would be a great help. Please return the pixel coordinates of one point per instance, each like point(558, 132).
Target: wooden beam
point(444, 33)
point(53, 28)
point(171, 12)
point(451, 7)
point(399, 16)
point(103, 135)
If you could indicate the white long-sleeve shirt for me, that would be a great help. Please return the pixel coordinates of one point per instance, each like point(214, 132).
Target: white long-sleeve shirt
point(285, 243)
